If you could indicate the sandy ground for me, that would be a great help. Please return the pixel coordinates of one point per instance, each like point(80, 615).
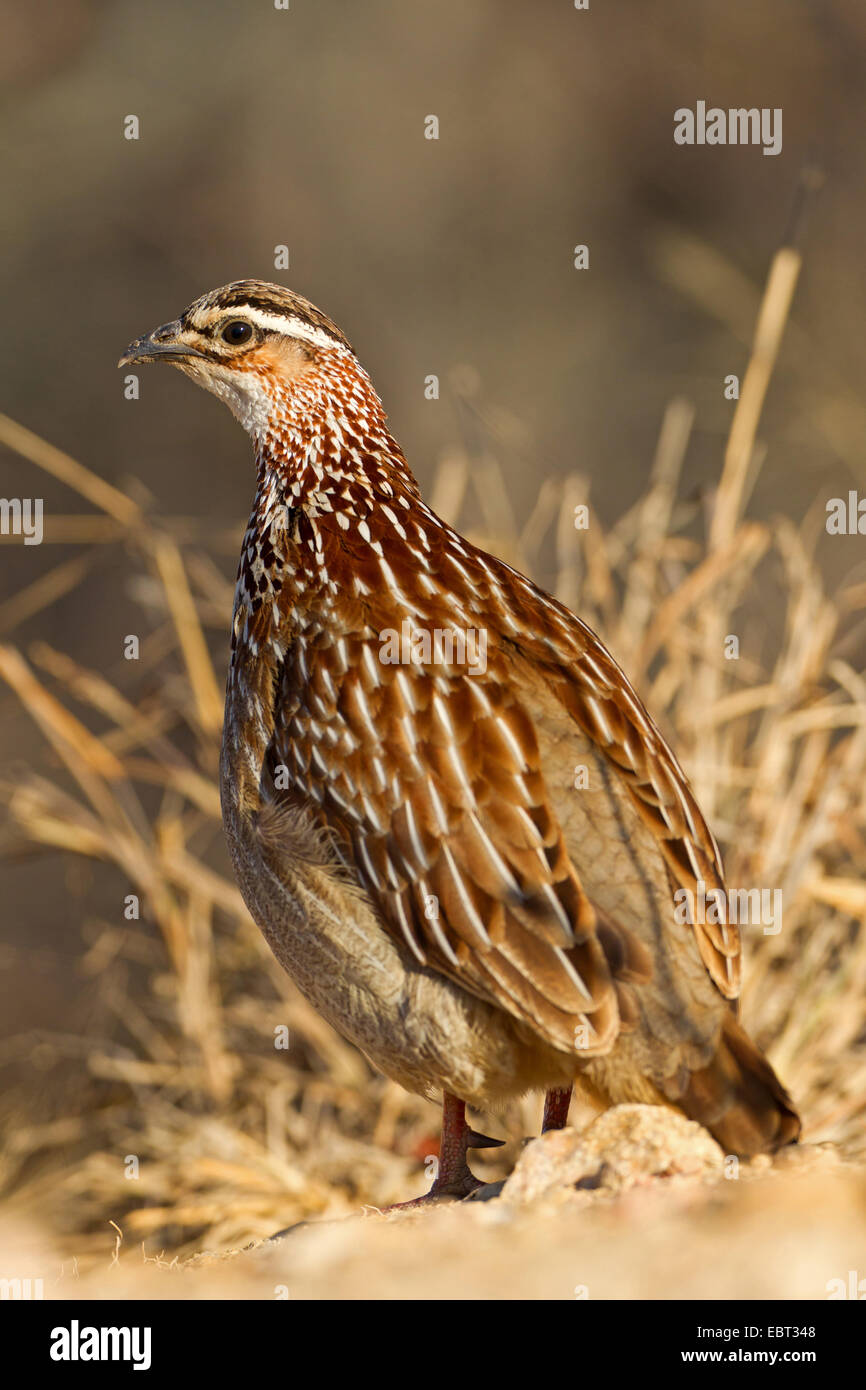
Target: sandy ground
point(663, 1216)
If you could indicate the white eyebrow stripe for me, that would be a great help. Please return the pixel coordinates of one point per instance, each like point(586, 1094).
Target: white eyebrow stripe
point(288, 324)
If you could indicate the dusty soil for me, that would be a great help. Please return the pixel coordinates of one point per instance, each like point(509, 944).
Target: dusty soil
point(642, 1205)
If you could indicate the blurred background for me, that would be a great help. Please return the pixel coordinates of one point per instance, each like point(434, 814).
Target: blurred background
point(305, 128)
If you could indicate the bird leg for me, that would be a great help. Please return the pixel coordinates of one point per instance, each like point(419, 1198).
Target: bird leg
point(556, 1105)
point(454, 1179)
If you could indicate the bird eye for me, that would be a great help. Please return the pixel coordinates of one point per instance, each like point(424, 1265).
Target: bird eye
point(237, 332)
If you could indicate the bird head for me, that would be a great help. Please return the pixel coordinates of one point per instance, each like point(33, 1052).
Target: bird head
point(267, 352)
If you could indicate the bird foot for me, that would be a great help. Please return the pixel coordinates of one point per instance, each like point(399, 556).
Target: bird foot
point(454, 1180)
point(458, 1187)
point(459, 1183)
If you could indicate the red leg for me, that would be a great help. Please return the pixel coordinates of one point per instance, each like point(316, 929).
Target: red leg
point(454, 1178)
point(556, 1105)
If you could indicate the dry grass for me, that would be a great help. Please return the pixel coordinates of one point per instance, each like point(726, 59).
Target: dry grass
point(235, 1139)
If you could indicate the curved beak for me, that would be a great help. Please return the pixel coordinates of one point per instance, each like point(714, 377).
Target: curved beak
point(164, 344)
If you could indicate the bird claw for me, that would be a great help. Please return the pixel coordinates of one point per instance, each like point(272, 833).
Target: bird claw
point(474, 1140)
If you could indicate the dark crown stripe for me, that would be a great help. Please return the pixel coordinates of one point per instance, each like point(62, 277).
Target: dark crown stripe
point(269, 299)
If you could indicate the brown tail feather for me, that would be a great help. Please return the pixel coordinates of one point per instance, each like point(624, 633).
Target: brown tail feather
point(740, 1099)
